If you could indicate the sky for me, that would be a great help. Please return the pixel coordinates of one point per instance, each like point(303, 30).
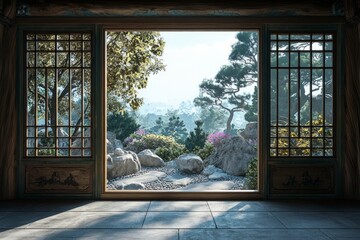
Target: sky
point(189, 57)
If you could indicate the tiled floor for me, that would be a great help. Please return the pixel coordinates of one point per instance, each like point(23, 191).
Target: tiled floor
point(156, 220)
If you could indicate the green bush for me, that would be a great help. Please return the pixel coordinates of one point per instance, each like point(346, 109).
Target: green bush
point(251, 175)
point(204, 152)
point(197, 138)
point(170, 152)
point(153, 142)
point(122, 124)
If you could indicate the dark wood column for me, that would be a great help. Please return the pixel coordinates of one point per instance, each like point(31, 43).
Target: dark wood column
point(7, 100)
point(352, 100)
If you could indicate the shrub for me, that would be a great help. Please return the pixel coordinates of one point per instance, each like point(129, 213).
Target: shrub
point(197, 138)
point(150, 141)
point(251, 175)
point(204, 152)
point(216, 138)
point(170, 152)
point(122, 124)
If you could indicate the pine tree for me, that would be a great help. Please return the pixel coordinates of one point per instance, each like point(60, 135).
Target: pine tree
point(196, 138)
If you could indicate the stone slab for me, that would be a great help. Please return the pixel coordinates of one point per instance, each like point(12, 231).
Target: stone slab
point(148, 177)
point(178, 179)
point(218, 185)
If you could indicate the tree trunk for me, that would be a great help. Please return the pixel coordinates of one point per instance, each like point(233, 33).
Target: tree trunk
point(229, 121)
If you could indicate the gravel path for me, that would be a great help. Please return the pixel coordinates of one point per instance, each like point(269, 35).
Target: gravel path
point(169, 170)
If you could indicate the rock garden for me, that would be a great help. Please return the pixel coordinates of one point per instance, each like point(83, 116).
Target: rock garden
point(146, 161)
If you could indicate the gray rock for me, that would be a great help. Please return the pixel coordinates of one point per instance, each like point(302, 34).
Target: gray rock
point(218, 176)
point(210, 170)
point(171, 164)
point(133, 186)
point(251, 131)
point(111, 136)
point(109, 159)
point(178, 179)
point(145, 178)
point(118, 144)
point(119, 152)
point(218, 185)
point(124, 165)
point(233, 156)
point(189, 163)
point(149, 159)
point(109, 146)
point(79, 144)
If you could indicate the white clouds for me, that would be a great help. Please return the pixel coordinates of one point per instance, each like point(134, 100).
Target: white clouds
point(190, 57)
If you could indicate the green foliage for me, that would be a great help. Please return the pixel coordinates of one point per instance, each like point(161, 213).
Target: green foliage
point(204, 152)
point(300, 138)
point(251, 114)
point(214, 119)
point(251, 175)
point(151, 141)
point(159, 126)
point(224, 91)
point(176, 129)
point(196, 138)
point(170, 152)
point(122, 124)
point(131, 58)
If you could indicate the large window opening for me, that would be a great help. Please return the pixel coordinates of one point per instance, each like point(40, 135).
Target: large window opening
point(182, 110)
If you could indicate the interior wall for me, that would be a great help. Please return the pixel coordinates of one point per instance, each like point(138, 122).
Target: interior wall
point(7, 100)
point(352, 100)
point(194, 8)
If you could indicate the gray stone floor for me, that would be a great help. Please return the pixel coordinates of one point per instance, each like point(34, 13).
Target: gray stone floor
point(153, 220)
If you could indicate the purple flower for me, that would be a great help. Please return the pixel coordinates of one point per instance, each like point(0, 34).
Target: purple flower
point(217, 137)
point(141, 132)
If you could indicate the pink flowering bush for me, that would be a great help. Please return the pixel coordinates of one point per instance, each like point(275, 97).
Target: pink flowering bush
point(217, 137)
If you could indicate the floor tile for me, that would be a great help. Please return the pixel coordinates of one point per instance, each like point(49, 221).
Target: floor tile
point(17, 206)
point(236, 234)
point(92, 220)
point(179, 220)
point(178, 206)
point(236, 206)
point(310, 206)
point(342, 234)
point(246, 220)
point(114, 206)
point(21, 219)
point(319, 219)
point(103, 234)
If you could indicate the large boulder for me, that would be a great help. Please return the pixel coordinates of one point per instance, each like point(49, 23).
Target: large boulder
point(233, 156)
point(189, 163)
point(149, 159)
point(251, 131)
point(112, 143)
point(122, 165)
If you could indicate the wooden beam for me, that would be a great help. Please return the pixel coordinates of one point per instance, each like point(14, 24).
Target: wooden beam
point(108, 8)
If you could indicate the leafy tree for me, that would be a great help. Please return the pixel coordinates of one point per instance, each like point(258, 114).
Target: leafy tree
point(122, 124)
point(213, 119)
point(224, 91)
point(131, 58)
point(176, 129)
point(159, 126)
point(197, 138)
point(251, 114)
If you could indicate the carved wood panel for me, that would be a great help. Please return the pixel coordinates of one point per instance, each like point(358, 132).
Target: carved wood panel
point(59, 179)
point(302, 180)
